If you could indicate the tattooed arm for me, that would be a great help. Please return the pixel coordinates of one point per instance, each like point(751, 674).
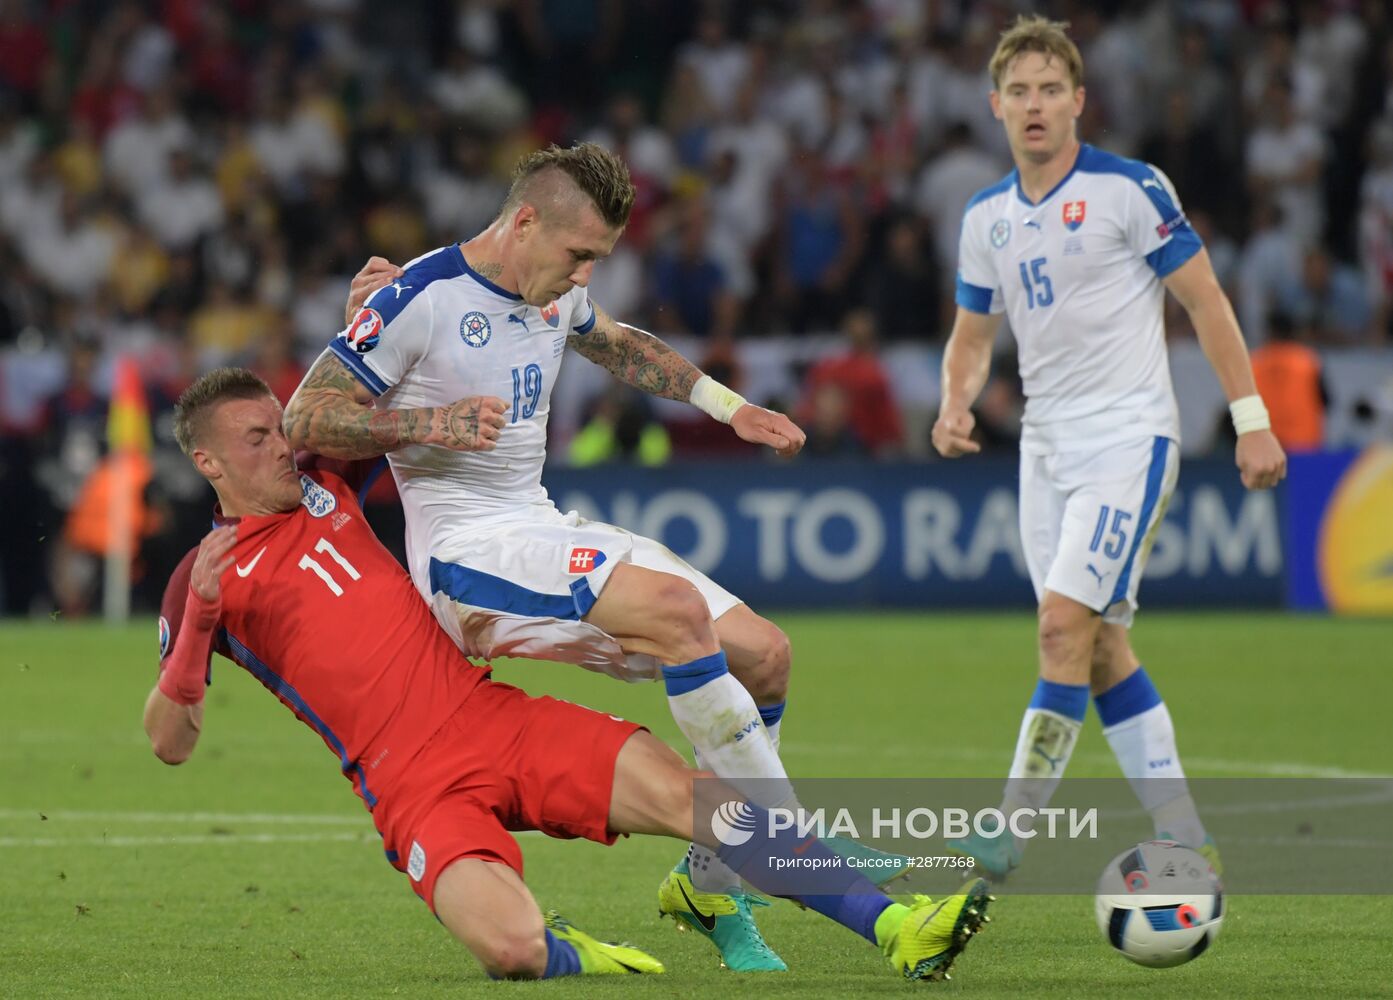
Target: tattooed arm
point(644, 361)
point(638, 358)
point(332, 414)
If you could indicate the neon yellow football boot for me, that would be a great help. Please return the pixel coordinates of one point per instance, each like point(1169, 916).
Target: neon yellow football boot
point(723, 919)
point(600, 958)
point(921, 941)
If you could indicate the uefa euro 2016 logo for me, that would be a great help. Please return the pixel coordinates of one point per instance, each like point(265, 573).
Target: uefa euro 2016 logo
point(474, 329)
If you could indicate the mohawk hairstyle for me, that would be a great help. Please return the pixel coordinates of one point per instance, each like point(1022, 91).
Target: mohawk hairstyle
point(599, 174)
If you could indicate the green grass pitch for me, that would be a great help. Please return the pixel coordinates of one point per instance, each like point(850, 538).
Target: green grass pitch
point(253, 871)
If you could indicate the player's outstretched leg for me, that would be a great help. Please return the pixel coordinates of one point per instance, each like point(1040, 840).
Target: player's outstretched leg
point(921, 941)
point(486, 905)
point(654, 793)
point(1139, 729)
point(666, 616)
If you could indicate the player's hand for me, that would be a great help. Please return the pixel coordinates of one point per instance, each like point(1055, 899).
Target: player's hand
point(377, 273)
point(952, 433)
point(757, 425)
point(213, 560)
point(1261, 461)
point(469, 424)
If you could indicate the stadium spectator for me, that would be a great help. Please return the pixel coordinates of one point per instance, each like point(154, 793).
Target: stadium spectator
point(944, 188)
point(182, 209)
point(820, 235)
point(1376, 225)
point(866, 404)
point(72, 253)
point(1289, 379)
point(827, 418)
point(621, 428)
point(720, 64)
point(689, 287)
point(273, 357)
point(902, 287)
point(24, 50)
point(1267, 264)
point(1284, 157)
point(1328, 300)
point(137, 151)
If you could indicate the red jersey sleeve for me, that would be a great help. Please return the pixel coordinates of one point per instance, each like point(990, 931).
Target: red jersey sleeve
point(176, 594)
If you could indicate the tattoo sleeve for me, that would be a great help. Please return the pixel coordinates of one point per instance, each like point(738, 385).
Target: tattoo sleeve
point(331, 414)
point(638, 358)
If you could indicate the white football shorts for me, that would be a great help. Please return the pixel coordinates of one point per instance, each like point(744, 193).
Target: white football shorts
point(1088, 519)
point(521, 588)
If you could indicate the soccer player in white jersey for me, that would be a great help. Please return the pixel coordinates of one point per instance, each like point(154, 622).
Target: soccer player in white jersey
point(449, 371)
point(1078, 247)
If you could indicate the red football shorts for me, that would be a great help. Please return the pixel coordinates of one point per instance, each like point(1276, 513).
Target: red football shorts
point(504, 761)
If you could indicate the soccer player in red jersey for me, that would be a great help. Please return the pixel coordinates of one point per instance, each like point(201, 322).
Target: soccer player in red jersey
point(292, 585)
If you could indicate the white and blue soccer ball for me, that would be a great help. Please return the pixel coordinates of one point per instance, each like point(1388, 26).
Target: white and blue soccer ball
point(1160, 904)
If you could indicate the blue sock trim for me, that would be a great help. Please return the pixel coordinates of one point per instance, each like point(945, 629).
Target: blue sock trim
point(1068, 700)
point(562, 959)
point(1127, 699)
point(686, 677)
point(771, 714)
point(860, 911)
point(826, 885)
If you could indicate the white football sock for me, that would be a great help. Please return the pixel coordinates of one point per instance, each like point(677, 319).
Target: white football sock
point(1145, 747)
point(1043, 748)
point(718, 716)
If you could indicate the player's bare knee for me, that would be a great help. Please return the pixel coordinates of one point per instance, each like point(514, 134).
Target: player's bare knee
point(767, 680)
point(1063, 631)
point(515, 949)
point(688, 631)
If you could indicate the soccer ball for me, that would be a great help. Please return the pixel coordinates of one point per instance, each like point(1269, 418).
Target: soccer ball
point(1159, 903)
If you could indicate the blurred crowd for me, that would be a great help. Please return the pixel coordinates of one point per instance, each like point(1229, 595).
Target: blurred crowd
point(193, 182)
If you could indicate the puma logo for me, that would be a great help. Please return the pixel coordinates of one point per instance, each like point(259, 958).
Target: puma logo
point(1052, 761)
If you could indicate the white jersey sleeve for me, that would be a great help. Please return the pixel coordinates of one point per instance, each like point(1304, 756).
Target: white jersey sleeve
point(1155, 225)
point(978, 287)
point(582, 310)
point(391, 334)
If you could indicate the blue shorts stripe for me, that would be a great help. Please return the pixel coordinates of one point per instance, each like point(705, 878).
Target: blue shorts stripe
point(484, 590)
point(355, 364)
point(1154, 477)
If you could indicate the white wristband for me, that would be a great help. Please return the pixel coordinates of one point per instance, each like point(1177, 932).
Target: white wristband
point(1249, 414)
point(716, 400)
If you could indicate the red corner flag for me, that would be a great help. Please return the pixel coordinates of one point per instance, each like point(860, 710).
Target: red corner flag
point(128, 466)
